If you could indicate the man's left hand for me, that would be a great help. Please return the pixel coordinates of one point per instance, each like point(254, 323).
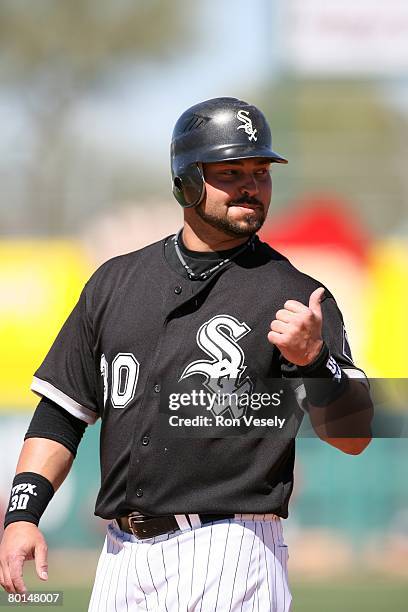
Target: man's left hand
point(297, 329)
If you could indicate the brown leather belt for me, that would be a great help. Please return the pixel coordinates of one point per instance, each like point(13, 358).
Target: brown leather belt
point(143, 527)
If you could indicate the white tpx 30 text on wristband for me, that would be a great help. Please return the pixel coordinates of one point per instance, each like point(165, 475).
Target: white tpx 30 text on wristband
point(30, 495)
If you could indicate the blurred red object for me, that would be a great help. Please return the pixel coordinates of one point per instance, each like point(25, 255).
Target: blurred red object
point(318, 221)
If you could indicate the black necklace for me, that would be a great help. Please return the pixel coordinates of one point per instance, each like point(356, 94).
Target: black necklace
point(204, 275)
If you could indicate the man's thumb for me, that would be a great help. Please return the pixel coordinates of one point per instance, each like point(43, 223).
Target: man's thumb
point(41, 563)
point(315, 299)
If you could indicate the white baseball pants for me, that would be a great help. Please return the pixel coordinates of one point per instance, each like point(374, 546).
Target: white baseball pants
point(233, 565)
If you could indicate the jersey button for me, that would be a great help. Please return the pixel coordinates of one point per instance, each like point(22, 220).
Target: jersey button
point(145, 440)
point(139, 493)
point(157, 388)
point(178, 289)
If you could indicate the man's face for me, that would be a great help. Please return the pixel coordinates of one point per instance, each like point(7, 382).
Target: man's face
point(238, 195)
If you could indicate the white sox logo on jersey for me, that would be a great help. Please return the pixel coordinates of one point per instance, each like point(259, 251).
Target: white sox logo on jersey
point(247, 125)
point(224, 371)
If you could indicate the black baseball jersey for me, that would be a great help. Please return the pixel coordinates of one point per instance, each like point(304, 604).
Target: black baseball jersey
point(142, 332)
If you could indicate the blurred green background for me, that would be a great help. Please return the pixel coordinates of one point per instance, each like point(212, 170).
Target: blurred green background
point(89, 93)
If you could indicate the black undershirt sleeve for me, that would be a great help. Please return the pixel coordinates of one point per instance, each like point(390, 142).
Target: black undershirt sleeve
point(55, 423)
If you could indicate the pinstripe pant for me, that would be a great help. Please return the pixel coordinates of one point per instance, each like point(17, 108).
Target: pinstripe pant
point(235, 565)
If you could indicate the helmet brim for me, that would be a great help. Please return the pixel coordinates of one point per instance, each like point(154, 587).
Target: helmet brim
point(235, 152)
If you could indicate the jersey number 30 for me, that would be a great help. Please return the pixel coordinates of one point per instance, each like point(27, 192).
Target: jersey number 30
point(125, 373)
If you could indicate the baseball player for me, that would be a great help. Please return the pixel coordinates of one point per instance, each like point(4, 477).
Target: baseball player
point(194, 486)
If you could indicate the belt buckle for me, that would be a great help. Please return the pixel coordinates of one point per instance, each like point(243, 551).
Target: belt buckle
point(145, 527)
point(134, 520)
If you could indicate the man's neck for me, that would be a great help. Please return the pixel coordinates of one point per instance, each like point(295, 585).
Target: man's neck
point(209, 240)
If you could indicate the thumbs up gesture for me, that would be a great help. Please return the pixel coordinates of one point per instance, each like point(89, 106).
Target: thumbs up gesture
point(297, 329)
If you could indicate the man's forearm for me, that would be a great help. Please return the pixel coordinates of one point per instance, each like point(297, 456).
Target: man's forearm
point(46, 457)
point(346, 422)
point(42, 467)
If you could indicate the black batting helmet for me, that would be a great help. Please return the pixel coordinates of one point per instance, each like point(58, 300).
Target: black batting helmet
point(212, 131)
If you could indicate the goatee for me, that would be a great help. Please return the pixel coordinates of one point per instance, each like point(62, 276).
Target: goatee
point(237, 229)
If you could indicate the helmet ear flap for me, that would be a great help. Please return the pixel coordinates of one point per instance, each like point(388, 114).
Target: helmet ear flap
point(189, 186)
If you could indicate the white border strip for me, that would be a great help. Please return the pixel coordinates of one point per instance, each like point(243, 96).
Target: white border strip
point(42, 387)
point(356, 373)
point(182, 522)
point(195, 521)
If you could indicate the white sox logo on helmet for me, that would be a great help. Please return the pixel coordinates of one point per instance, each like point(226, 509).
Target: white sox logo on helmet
point(223, 373)
point(244, 117)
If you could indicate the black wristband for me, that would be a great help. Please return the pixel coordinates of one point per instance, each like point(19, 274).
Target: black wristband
point(30, 495)
point(323, 379)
